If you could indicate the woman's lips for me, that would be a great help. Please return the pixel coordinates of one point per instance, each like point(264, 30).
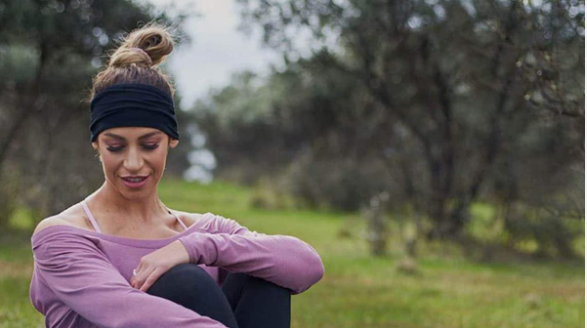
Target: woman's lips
point(136, 183)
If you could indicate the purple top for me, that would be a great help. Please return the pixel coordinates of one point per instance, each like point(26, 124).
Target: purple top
point(81, 278)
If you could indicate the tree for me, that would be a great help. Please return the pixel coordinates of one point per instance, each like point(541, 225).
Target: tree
point(50, 50)
point(454, 79)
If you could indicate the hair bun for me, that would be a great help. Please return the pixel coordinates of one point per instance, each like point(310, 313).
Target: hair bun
point(127, 56)
point(146, 46)
point(134, 60)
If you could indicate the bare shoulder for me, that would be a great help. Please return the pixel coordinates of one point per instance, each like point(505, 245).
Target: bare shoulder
point(70, 217)
point(55, 220)
point(188, 218)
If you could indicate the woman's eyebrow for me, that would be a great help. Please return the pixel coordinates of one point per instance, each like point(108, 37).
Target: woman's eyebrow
point(122, 138)
point(149, 134)
point(115, 136)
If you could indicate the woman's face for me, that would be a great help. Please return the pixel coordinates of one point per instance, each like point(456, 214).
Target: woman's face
point(133, 158)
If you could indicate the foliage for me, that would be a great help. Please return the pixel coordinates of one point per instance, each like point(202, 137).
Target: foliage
point(49, 52)
point(456, 100)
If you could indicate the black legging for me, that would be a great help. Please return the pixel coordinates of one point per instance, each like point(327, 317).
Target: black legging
point(243, 301)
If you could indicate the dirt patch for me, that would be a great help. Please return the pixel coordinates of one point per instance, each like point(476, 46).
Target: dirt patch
point(15, 270)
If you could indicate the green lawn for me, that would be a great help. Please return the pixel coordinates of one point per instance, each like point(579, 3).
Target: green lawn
point(358, 290)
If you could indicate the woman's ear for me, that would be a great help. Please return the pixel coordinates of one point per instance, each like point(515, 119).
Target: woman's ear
point(173, 143)
point(95, 146)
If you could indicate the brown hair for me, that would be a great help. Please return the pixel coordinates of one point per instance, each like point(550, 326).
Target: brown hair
point(128, 64)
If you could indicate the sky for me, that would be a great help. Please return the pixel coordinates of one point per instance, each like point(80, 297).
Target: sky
point(218, 49)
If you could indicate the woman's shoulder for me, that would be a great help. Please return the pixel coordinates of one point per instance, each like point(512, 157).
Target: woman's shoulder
point(210, 222)
point(48, 222)
point(189, 218)
point(70, 217)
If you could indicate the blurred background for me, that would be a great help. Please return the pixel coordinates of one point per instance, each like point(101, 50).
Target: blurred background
point(432, 151)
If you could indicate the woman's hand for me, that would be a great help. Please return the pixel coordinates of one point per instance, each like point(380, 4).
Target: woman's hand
point(155, 264)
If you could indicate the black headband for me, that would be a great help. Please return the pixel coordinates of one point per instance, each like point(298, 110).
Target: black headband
point(132, 104)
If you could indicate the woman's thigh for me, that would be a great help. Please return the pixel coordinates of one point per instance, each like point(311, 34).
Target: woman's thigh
point(192, 287)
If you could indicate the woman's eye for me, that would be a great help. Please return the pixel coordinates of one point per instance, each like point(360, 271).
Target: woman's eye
point(114, 149)
point(145, 146)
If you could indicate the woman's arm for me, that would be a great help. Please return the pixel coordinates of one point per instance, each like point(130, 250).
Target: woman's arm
point(283, 260)
point(83, 278)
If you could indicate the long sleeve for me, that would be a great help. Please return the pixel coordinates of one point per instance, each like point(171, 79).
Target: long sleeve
point(83, 278)
point(283, 260)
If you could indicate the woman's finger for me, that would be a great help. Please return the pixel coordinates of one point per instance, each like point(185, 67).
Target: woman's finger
point(135, 277)
point(155, 274)
point(142, 276)
point(140, 266)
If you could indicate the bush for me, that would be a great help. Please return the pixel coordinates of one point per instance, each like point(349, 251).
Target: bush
point(343, 184)
point(550, 233)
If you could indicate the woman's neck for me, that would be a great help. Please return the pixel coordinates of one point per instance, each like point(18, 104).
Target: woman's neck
point(145, 210)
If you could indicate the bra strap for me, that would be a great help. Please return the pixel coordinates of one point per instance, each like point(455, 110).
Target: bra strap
point(178, 219)
point(90, 216)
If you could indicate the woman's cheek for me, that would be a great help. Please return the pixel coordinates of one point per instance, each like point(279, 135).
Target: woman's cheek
point(109, 164)
point(159, 161)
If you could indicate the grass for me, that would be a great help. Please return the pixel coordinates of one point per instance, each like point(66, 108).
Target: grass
point(359, 290)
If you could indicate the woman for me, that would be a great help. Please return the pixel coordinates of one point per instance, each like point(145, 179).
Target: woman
point(121, 258)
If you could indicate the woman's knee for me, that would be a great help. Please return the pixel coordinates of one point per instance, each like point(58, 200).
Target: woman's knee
point(258, 286)
point(183, 279)
point(192, 287)
point(262, 283)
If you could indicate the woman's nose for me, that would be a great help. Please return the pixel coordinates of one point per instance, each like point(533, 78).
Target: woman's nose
point(133, 161)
